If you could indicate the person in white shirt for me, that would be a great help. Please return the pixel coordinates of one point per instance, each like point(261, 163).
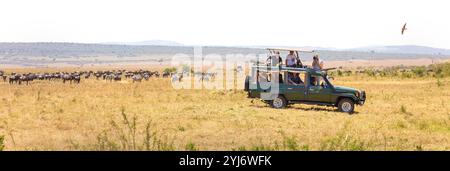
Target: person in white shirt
point(291, 59)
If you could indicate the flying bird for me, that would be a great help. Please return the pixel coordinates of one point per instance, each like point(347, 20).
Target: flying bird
point(404, 28)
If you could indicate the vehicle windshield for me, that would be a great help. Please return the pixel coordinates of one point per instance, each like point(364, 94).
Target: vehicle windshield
point(319, 80)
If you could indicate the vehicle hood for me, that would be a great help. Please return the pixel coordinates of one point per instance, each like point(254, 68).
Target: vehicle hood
point(342, 89)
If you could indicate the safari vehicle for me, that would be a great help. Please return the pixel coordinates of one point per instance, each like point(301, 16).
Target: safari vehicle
point(270, 84)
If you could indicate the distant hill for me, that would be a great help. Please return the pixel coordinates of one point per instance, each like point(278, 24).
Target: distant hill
point(11, 51)
point(405, 49)
point(148, 42)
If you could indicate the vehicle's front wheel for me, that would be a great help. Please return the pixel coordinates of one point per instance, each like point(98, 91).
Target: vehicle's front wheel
point(279, 102)
point(346, 105)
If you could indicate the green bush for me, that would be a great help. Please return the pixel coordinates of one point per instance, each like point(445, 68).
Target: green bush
point(2, 145)
point(370, 72)
point(343, 142)
point(125, 135)
point(441, 70)
point(419, 71)
point(339, 73)
point(170, 70)
point(191, 147)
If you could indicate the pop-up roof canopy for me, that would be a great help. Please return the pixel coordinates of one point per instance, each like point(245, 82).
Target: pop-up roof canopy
point(290, 49)
point(265, 68)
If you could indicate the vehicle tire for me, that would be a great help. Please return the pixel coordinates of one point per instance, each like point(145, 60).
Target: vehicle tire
point(346, 105)
point(279, 102)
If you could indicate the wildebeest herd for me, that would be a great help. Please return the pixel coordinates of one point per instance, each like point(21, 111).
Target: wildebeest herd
point(75, 77)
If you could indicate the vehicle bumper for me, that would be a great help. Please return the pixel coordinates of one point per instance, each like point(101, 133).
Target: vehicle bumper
point(362, 98)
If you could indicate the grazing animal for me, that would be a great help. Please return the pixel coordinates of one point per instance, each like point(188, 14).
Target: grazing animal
point(25, 78)
point(76, 79)
point(137, 78)
point(98, 75)
point(108, 77)
point(15, 78)
point(117, 77)
point(67, 77)
point(128, 74)
point(166, 74)
point(40, 77)
point(146, 76)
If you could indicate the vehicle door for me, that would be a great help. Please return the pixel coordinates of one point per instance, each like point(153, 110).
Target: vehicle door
point(318, 90)
point(296, 92)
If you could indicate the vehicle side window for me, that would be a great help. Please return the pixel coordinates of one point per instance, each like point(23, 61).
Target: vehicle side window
point(296, 79)
point(302, 77)
point(263, 77)
point(317, 81)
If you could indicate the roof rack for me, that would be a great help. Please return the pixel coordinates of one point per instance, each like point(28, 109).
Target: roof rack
point(265, 68)
point(291, 49)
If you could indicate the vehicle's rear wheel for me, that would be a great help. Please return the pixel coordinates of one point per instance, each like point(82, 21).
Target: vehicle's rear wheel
point(346, 105)
point(279, 102)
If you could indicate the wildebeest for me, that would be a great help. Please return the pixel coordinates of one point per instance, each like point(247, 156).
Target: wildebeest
point(14, 78)
point(137, 78)
point(108, 75)
point(117, 77)
point(67, 77)
point(26, 78)
point(166, 74)
point(76, 78)
point(146, 76)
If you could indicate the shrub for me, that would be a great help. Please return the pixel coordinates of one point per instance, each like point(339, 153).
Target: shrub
point(370, 73)
point(290, 143)
point(419, 71)
point(441, 70)
point(170, 70)
point(343, 142)
point(191, 147)
point(439, 83)
point(124, 135)
point(2, 145)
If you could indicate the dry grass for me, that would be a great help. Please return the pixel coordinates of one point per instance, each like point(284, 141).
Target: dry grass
point(400, 114)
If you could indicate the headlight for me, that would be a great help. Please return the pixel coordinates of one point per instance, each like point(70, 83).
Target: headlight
point(358, 94)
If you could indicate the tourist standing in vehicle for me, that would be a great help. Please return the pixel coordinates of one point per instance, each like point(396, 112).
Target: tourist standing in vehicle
point(274, 60)
point(291, 59)
point(316, 64)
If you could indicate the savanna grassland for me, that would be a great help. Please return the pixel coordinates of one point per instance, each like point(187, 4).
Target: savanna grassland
point(402, 112)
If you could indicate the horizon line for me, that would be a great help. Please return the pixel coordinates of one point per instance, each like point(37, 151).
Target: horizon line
point(211, 45)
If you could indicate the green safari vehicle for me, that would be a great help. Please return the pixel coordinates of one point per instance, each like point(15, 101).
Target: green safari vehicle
point(272, 84)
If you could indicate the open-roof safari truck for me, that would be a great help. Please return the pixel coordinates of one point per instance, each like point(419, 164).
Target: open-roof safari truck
point(273, 84)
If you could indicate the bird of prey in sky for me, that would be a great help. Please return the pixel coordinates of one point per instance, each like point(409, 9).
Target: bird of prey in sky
point(404, 28)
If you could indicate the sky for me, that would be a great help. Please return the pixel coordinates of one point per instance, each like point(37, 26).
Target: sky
point(323, 23)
